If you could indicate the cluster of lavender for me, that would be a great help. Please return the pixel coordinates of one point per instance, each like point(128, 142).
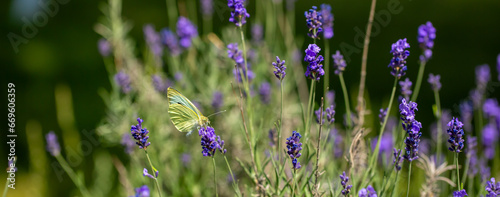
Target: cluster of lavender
point(280, 67)
point(367, 192)
point(398, 158)
point(343, 181)
point(122, 79)
point(338, 62)
point(313, 20)
point(426, 36)
point(327, 21)
point(140, 135)
point(456, 135)
point(406, 89)
point(235, 54)
point(398, 62)
point(238, 12)
point(210, 142)
point(460, 193)
point(412, 127)
point(492, 188)
point(294, 147)
point(313, 58)
point(434, 80)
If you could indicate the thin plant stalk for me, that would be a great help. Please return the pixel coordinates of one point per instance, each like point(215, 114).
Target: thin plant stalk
point(172, 12)
point(207, 25)
point(309, 108)
point(395, 183)
point(327, 67)
point(281, 124)
point(361, 106)
point(375, 154)
point(439, 126)
point(153, 171)
point(316, 186)
point(458, 171)
point(294, 180)
point(73, 176)
point(466, 169)
point(5, 188)
point(409, 179)
point(346, 100)
point(215, 180)
point(419, 81)
point(245, 81)
point(235, 184)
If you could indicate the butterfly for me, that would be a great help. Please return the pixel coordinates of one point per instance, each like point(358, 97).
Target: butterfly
point(183, 114)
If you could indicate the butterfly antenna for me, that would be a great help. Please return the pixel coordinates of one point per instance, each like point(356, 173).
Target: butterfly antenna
point(216, 113)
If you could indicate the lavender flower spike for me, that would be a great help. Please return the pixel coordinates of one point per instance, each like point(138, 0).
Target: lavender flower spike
point(398, 158)
point(434, 80)
point(313, 20)
point(265, 92)
point(207, 8)
point(210, 142)
point(326, 13)
point(343, 181)
point(140, 134)
point(398, 62)
point(338, 62)
point(238, 12)
point(142, 191)
point(145, 173)
point(460, 193)
point(492, 188)
point(294, 147)
point(426, 36)
point(314, 68)
point(104, 47)
point(280, 68)
point(186, 31)
point(456, 133)
point(406, 88)
point(153, 40)
point(52, 144)
point(412, 127)
point(330, 112)
point(368, 192)
point(382, 114)
point(123, 81)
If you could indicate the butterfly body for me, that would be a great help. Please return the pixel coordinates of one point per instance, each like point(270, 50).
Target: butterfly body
point(183, 113)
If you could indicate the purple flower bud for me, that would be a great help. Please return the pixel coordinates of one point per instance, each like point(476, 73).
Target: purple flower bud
point(186, 31)
point(398, 62)
point(460, 193)
point(406, 88)
point(280, 69)
point(426, 36)
point(142, 191)
point(456, 133)
point(123, 81)
point(104, 47)
point(434, 80)
point(313, 20)
point(140, 134)
point(338, 62)
point(343, 181)
point(327, 21)
point(314, 68)
point(52, 144)
point(238, 12)
point(294, 147)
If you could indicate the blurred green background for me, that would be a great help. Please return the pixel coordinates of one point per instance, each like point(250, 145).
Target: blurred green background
point(64, 51)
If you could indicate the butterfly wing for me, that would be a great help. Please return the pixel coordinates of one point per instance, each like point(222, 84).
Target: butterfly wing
point(175, 97)
point(183, 118)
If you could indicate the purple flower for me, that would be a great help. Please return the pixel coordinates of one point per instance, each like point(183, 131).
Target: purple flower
point(186, 31)
point(482, 76)
point(319, 115)
point(104, 47)
point(210, 142)
point(485, 170)
point(412, 127)
point(145, 173)
point(161, 85)
point(343, 181)
point(207, 8)
point(257, 33)
point(217, 100)
point(52, 144)
point(272, 137)
point(471, 153)
point(153, 40)
point(123, 81)
point(398, 158)
point(314, 68)
point(406, 88)
point(456, 133)
point(386, 143)
point(265, 92)
point(490, 138)
point(460, 193)
point(142, 191)
point(170, 40)
point(327, 16)
point(140, 134)
point(492, 188)
point(128, 143)
point(330, 112)
point(426, 36)
point(368, 192)
point(234, 53)
point(398, 62)
point(313, 20)
point(238, 12)
point(294, 147)
point(382, 114)
point(337, 142)
point(186, 159)
point(338, 62)
point(280, 68)
point(491, 108)
point(434, 80)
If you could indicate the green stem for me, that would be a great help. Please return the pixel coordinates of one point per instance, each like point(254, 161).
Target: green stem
point(395, 184)
point(419, 81)
point(439, 126)
point(409, 176)
point(153, 171)
point(327, 67)
point(172, 12)
point(294, 180)
point(207, 26)
point(235, 184)
point(215, 180)
point(309, 109)
point(346, 100)
point(73, 176)
point(5, 188)
point(281, 125)
point(316, 186)
point(458, 171)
